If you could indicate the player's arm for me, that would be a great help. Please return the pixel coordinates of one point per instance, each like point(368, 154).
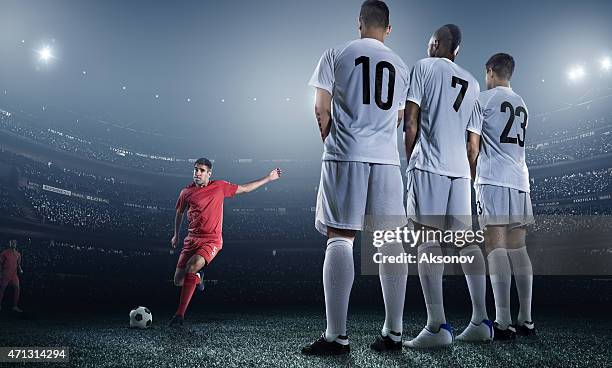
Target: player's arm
point(323, 111)
point(178, 220)
point(400, 117)
point(411, 126)
point(19, 269)
point(473, 149)
point(251, 186)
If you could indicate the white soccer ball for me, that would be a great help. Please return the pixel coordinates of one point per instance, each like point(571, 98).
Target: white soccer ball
point(141, 317)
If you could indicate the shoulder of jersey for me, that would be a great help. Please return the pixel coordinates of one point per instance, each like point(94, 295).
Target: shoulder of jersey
point(425, 62)
point(485, 96)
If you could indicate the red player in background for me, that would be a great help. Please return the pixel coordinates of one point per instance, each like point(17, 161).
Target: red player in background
point(203, 200)
point(10, 265)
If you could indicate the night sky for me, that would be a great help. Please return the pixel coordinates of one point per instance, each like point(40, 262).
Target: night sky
point(224, 55)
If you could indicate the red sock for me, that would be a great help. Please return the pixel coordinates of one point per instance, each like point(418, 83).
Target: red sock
point(189, 285)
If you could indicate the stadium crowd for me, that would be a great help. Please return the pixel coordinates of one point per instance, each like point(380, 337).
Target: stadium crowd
point(572, 185)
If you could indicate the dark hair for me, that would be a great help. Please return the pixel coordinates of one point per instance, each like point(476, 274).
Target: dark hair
point(450, 36)
point(501, 64)
point(203, 161)
point(374, 13)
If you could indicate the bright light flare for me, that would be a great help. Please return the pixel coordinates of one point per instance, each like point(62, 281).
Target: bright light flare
point(605, 63)
point(45, 54)
point(576, 73)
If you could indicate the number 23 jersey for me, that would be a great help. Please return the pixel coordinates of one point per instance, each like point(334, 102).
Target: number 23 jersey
point(448, 99)
point(501, 160)
point(368, 83)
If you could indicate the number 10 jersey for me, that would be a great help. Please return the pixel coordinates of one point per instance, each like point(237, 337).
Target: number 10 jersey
point(502, 155)
point(368, 83)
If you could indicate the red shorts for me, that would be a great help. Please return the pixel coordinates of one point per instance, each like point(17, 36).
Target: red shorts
point(9, 279)
point(207, 248)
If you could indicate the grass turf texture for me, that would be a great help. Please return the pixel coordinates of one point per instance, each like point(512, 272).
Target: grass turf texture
point(274, 338)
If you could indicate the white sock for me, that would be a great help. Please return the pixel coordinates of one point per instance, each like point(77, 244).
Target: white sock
point(338, 275)
point(499, 269)
point(475, 275)
point(393, 278)
point(430, 275)
point(523, 276)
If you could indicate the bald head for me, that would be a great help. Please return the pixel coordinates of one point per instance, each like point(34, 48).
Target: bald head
point(445, 42)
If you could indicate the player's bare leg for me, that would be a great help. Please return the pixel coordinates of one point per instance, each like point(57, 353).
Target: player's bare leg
point(523, 277)
point(338, 276)
point(179, 276)
point(437, 332)
point(496, 242)
point(16, 293)
point(189, 282)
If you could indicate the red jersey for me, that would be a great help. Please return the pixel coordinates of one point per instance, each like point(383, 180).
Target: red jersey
point(205, 208)
point(9, 261)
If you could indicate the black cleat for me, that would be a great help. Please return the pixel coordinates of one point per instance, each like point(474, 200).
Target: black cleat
point(385, 343)
point(526, 329)
point(176, 321)
point(323, 347)
point(507, 334)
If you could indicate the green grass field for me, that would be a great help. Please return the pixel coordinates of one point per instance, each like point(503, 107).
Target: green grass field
point(272, 338)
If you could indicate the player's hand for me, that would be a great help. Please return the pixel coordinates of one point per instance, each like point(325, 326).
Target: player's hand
point(21, 272)
point(275, 174)
point(174, 241)
point(325, 132)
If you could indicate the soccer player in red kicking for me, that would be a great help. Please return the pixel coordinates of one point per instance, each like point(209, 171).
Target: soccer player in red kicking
point(203, 200)
point(10, 264)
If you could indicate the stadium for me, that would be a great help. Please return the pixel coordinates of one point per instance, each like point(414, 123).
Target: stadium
point(89, 192)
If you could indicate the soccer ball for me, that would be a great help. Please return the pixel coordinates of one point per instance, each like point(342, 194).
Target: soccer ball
point(141, 317)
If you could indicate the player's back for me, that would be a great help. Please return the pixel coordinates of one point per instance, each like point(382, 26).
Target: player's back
point(502, 157)
point(447, 96)
point(368, 83)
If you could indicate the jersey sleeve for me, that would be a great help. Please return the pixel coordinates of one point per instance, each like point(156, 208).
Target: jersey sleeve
point(229, 189)
point(476, 117)
point(527, 113)
point(484, 98)
point(323, 76)
point(405, 85)
point(181, 203)
point(416, 86)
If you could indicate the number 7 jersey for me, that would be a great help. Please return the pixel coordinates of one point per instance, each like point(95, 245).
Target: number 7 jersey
point(448, 99)
point(368, 83)
point(502, 155)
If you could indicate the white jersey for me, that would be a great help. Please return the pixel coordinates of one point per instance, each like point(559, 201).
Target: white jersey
point(502, 156)
point(368, 83)
point(448, 99)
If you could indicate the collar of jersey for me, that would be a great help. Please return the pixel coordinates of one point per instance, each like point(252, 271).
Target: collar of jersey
point(373, 39)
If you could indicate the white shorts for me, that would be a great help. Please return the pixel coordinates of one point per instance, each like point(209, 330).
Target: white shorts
point(503, 206)
point(360, 196)
point(438, 201)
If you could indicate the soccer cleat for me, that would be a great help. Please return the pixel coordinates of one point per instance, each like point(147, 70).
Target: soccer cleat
point(16, 309)
point(201, 283)
point(506, 334)
point(385, 343)
point(176, 321)
point(482, 332)
point(428, 340)
point(526, 329)
point(323, 347)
